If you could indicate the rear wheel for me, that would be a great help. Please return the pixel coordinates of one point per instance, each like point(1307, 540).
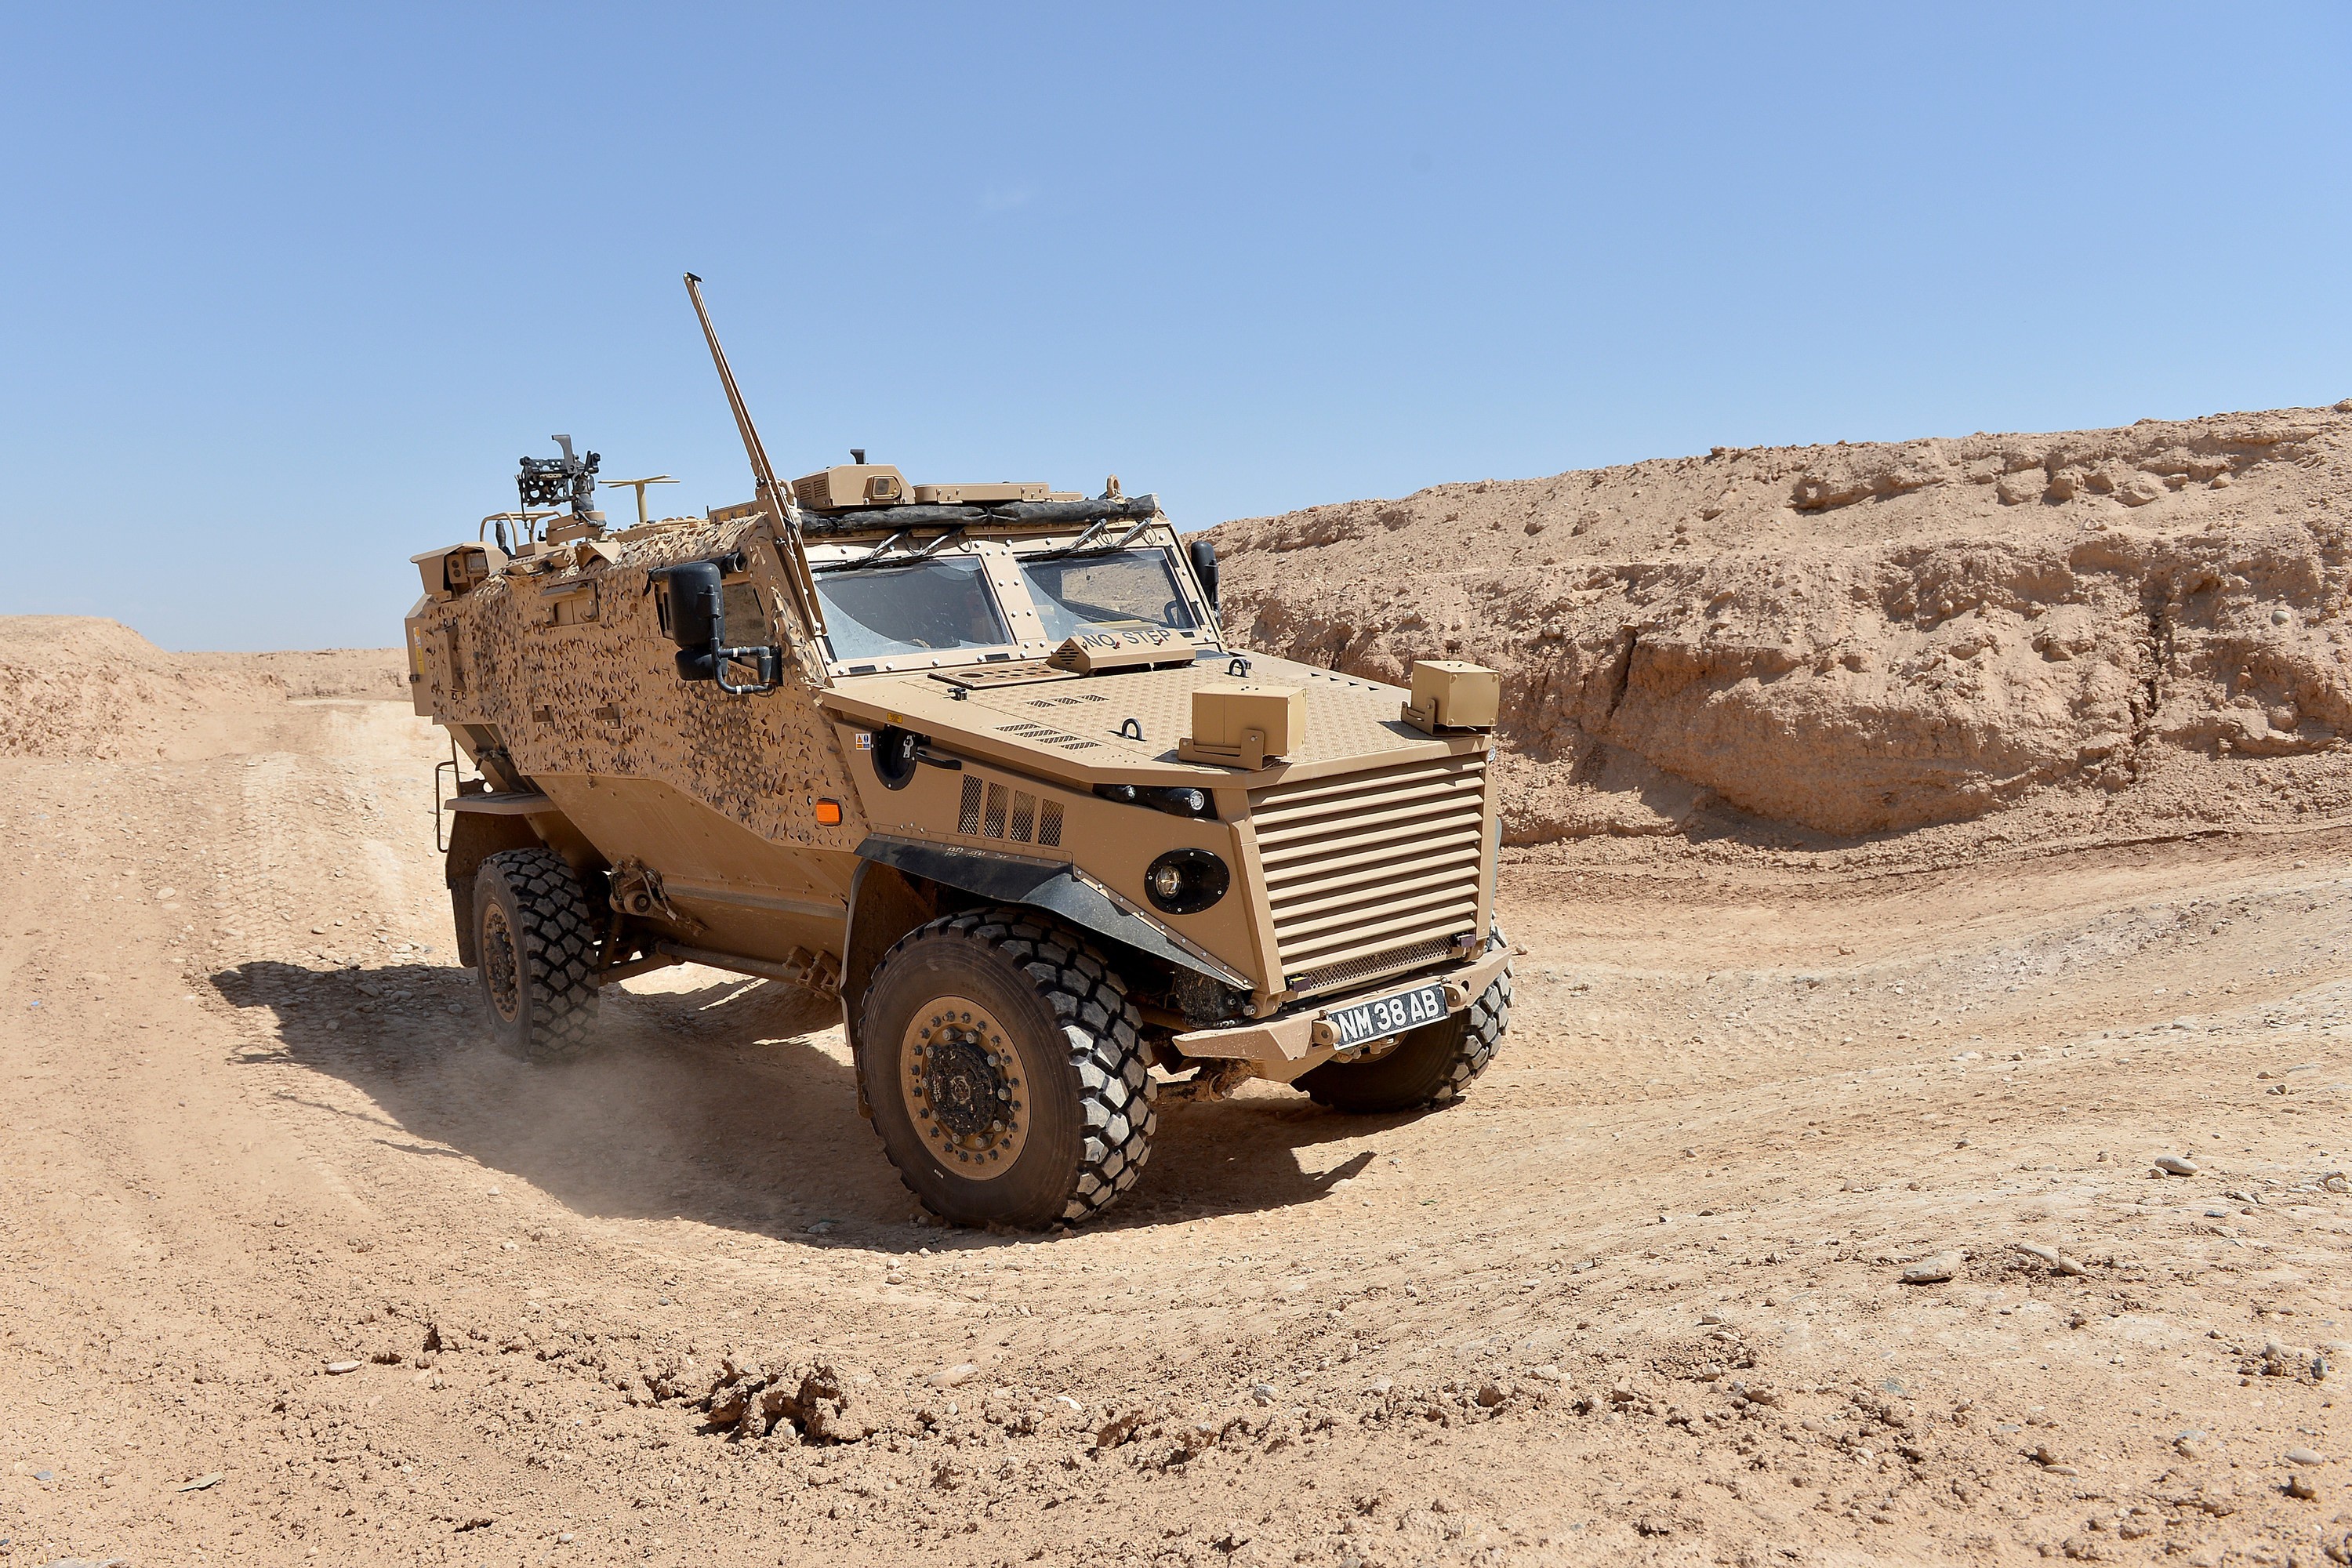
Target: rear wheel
point(1433, 1065)
point(1005, 1066)
point(535, 940)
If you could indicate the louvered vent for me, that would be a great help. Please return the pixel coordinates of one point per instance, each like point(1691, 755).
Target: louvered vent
point(1374, 865)
point(987, 810)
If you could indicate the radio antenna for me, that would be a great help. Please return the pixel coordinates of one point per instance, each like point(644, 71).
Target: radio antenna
point(783, 510)
point(639, 486)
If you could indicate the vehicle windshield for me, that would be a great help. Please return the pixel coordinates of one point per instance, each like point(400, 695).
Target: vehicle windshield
point(883, 610)
point(1116, 587)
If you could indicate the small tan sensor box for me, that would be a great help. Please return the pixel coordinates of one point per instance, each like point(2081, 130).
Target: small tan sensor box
point(851, 485)
point(1450, 695)
point(1238, 724)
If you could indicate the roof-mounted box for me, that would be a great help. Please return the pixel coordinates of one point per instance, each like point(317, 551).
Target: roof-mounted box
point(851, 485)
point(1448, 694)
point(979, 495)
point(458, 568)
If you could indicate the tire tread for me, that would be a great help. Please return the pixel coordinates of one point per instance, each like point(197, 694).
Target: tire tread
point(1481, 1029)
point(558, 938)
point(1102, 1032)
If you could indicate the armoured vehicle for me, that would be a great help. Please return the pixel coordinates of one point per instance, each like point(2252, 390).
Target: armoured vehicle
point(981, 760)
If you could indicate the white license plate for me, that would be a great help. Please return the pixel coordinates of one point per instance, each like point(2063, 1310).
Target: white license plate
point(1385, 1016)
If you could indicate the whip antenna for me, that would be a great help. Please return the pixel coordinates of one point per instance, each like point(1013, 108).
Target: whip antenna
point(783, 511)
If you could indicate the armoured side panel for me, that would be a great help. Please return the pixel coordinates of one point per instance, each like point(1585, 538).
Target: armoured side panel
point(733, 890)
point(716, 793)
point(441, 665)
point(573, 666)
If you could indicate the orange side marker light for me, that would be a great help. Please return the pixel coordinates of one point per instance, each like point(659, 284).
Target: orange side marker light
point(828, 813)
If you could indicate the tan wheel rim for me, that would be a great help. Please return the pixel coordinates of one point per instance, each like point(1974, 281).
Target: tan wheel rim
point(965, 1088)
point(500, 970)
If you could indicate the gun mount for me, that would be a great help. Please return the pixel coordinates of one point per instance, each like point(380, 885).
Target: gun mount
point(558, 481)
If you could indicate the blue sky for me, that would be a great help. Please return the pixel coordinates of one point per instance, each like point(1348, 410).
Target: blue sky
point(286, 292)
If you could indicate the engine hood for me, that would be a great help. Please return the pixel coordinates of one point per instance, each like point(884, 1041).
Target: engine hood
point(1084, 727)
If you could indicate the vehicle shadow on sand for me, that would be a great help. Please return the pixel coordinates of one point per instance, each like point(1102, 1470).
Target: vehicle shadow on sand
point(731, 1104)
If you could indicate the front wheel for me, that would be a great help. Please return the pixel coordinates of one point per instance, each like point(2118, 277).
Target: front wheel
point(535, 942)
point(1433, 1065)
point(1005, 1068)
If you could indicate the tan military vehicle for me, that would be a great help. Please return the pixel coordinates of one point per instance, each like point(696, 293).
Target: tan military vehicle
point(980, 760)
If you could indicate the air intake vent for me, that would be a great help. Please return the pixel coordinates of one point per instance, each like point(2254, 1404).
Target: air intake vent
point(1374, 865)
point(987, 810)
point(1410, 956)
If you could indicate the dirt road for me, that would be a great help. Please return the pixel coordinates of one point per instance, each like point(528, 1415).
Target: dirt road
point(1639, 1299)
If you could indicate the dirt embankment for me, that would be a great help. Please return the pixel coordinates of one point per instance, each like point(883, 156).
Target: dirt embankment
point(315, 674)
point(2127, 629)
point(75, 686)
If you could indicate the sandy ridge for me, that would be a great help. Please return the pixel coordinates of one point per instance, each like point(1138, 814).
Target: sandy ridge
point(2098, 627)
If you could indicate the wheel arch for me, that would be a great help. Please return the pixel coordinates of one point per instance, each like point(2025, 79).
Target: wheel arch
point(474, 837)
point(926, 880)
point(884, 904)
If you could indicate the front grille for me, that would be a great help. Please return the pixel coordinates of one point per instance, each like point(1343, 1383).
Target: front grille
point(1372, 866)
point(1411, 956)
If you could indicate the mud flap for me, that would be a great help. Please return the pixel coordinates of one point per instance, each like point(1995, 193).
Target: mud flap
point(474, 837)
point(883, 905)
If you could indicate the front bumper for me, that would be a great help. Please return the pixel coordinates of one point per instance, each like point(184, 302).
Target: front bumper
point(1292, 1043)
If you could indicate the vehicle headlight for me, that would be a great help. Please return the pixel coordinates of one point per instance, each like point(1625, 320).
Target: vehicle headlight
point(1186, 882)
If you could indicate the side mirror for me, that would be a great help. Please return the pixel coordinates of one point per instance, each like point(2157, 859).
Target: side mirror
point(1203, 556)
point(698, 610)
point(698, 624)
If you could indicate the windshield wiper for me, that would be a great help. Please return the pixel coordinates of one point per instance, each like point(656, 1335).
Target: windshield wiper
point(933, 548)
point(1074, 546)
point(864, 558)
point(869, 558)
point(1078, 545)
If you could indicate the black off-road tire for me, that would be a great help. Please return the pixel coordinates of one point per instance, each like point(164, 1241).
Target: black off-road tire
point(1066, 1060)
point(535, 955)
point(1433, 1064)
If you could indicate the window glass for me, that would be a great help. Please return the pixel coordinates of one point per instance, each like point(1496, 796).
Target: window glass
point(880, 612)
point(747, 617)
point(1117, 587)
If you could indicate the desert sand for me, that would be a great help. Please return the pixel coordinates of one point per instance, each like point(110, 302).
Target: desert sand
point(1906, 857)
